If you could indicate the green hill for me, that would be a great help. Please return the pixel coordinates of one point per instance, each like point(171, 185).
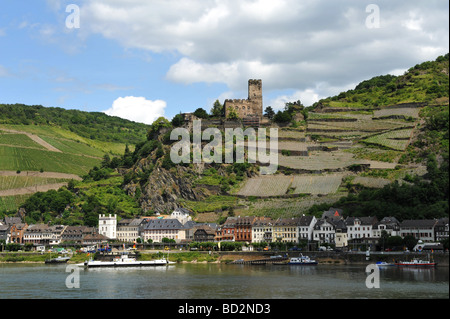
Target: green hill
point(40, 147)
point(426, 82)
point(381, 148)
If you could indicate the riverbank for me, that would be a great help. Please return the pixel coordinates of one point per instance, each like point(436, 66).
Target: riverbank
point(225, 257)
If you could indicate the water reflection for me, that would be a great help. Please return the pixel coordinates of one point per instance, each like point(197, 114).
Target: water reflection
point(222, 281)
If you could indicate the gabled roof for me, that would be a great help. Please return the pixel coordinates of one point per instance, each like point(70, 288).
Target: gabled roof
point(305, 220)
point(333, 213)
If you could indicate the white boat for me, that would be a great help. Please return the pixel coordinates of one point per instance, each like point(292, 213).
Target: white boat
point(416, 263)
point(302, 260)
point(125, 261)
point(384, 264)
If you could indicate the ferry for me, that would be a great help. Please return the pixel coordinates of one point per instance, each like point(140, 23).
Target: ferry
point(125, 261)
point(416, 263)
point(302, 260)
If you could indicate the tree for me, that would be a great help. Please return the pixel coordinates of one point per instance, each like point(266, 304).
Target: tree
point(232, 115)
point(156, 126)
point(178, 120)
point(282, 117)
point(217, 109)
point(269, 112)
point(201, 113)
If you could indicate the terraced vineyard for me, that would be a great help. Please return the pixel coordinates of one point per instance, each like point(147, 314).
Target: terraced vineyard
point(312, 184)
point(266, 186)
point(396, 140)
point(372, 182)
point(279, 185)
point(402, 111)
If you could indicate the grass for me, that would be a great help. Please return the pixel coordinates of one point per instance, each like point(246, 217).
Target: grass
point(11, 182)
point(14, 158)
point(396, 140)
point(18, 140)
point(12, 203)
point(183, 256)
point(212, 203)
point(59, 134)
point(73, 147)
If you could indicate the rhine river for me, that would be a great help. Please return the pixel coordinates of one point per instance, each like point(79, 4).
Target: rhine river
point(220, 281)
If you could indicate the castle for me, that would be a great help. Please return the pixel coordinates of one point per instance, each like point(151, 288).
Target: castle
point(250, 108)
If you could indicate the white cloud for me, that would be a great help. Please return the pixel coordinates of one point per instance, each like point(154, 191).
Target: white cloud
point(306, 97)
point(137, 109)
point(289, 44)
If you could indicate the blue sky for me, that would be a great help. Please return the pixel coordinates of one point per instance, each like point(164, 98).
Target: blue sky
point(140, 59)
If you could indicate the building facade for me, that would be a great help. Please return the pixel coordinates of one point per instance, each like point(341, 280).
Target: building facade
point(157, 229)
point(107, 226)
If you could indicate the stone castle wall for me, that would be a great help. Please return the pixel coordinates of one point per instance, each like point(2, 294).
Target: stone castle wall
point(251, 107)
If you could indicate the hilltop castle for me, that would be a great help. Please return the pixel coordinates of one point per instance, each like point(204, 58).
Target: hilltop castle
point(250, 108)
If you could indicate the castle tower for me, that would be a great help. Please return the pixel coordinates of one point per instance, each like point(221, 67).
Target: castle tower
point(107, 226)
point(250, 108)
point(255, 94)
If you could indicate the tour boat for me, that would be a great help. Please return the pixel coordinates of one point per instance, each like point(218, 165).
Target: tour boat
point(302, 260)
point(125, 261)
point(417, 263)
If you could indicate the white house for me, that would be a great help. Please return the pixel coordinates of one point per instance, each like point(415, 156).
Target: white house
point(360, 227)
point(262, 229)
point(420, 229)
point(388, 224)
point(306, 227)
point(157, 229)
point(182, 214)
point(107, 226)
point(129, 230)
point(324, 231)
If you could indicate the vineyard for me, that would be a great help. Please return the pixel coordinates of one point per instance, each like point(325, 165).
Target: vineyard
point(372, 182)
point(14, 182)
point(396, 140)
point(18, 140)
point(279, 185)
point(402, 111)
point(311, 184)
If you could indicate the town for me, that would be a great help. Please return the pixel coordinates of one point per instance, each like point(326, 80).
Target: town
point(329, 232)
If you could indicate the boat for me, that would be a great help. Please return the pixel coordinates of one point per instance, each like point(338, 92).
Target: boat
point(125, 261)
point(301, 260)
point(384, 264)
point(416, 263)
point(57, 260)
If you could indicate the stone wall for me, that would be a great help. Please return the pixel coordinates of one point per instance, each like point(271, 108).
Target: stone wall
point(252, 106)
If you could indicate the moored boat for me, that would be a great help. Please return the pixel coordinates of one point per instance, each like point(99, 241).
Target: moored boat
point(384, 264)
point(125, 261)
point(416, 263)
point(301, 260)
point(57, 260)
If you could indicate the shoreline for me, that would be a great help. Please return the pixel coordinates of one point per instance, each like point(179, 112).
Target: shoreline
point(205, 257)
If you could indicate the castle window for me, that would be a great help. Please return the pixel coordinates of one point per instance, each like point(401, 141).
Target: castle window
point(243, 107)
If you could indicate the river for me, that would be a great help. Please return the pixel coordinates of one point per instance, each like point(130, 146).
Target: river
point(219, 281)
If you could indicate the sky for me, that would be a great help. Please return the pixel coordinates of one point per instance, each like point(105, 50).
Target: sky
point(141, 59)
